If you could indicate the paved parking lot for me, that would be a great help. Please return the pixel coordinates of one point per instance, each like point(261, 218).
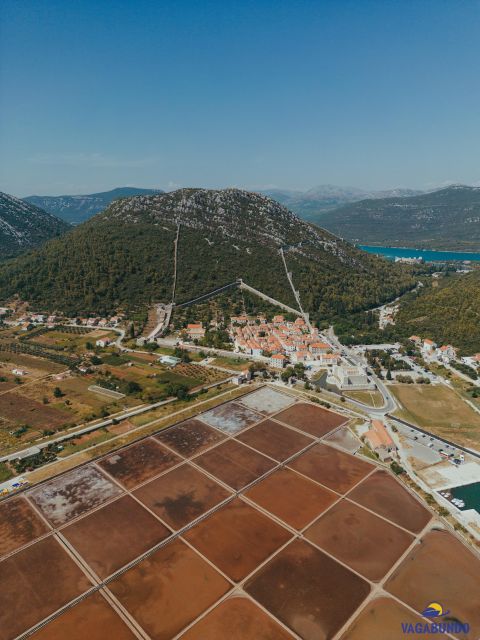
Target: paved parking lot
point(423, 446)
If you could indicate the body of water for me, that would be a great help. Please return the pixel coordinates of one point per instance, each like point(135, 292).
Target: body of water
point(470, 494)
point(427, 255)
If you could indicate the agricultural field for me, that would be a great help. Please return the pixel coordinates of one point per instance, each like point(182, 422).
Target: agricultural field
point(35, 367)
point(45, 406)
point(237, 364)
point(439, 410)
point(142, 357)
point(23, 417)
point(370, 398)
point(49, 397)
point(129, 431)
point(197, 372)
point(149, 382)
point(72, 341)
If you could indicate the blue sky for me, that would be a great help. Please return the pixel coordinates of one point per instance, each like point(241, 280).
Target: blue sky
point(290, 94)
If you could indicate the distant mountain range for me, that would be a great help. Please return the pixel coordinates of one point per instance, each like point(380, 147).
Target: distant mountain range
point(445, 219)
point(76, 209)
point(124, 257)
point(310, 204)
point(306, 204)
point(24, 226)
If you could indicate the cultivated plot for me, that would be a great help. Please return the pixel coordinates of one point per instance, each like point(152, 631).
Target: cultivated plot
point(190, 437)
point(235, 464)
point(19, 525)
point(23, 410)
point(308, 591)
point(66, 497)
point(138, 463)
point(36, 581)
point(114, 535)
point(231, 417)
point(335, 469)
point(237, 618)
point(291, 497)
point(274, 440)
point(93, 618)
point(311, 419)
point(384, 495)
point(267, 401)
point(169, 589)
point(181, 495)
point(441, 565)
point(237, 538)
point(361, 540)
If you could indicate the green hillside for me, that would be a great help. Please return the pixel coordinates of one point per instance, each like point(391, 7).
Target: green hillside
point(445, 219)
point(448, 313)
point(124, 257)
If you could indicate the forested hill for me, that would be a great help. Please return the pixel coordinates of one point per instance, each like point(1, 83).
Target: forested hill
point(448, 313)
point(76, 209)
point(445, 219)
point(23, 226)
point(124, 256)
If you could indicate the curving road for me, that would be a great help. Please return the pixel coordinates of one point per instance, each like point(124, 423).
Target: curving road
point(389, 403)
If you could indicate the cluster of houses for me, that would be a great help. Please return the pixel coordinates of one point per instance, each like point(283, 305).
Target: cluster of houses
point(445, 353)
point(387, 315)
point(26, 322)
point(195, 330)
point(280, 341)
point(102, 323)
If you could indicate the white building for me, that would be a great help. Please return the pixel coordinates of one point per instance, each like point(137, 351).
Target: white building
point(447, 353)
point(348, 377)
point(278, 361)
point(19, 372)
point(104, 342)
point(428, 346)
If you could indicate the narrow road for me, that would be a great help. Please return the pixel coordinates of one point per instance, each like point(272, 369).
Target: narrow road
point(113, 419)
point(172, 342)
point(389, 403)
point(164, 312)
point(462, 375)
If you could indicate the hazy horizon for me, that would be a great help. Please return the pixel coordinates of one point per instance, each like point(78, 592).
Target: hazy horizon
point(245, 187)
